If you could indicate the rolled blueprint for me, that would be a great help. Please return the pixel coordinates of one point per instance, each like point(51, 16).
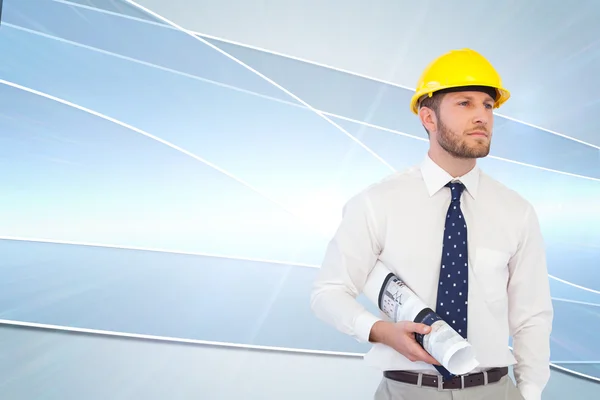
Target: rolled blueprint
point(400, 303)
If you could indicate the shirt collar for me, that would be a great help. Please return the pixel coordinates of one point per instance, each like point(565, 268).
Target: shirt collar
point(436, 178)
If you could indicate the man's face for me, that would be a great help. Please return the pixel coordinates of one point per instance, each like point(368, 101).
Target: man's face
point(465, 124)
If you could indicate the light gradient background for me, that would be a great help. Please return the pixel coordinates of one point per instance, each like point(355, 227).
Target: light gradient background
point(177, 184)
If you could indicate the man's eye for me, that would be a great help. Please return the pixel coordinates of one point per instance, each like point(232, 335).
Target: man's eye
point(463, 103)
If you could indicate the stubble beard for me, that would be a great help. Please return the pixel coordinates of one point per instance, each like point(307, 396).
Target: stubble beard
point(456, 146)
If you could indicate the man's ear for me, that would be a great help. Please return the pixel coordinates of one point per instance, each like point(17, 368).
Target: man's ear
point(428, 119)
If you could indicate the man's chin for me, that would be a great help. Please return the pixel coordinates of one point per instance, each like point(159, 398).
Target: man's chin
point(466, 150)
point(480, 153)
point(471, 154)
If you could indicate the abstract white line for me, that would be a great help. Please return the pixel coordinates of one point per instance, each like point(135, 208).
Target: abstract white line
point(153, 137)
point(231, 87)
point(114, 14)
point(279, 262)
point(345, 71)
point(584, 303)
point(556, 171)
point(169, 339)
point(378, 127)
point(175, 340)
point(577, 362)
point(148, 64)
point(153, 249)
point(573, 372)
point(232, 58)
point(556, 133)
point(574, 285)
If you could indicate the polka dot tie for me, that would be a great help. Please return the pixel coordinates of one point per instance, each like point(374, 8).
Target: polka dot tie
point(454, 270)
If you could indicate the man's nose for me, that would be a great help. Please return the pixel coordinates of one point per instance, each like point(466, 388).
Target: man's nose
point(481, 116)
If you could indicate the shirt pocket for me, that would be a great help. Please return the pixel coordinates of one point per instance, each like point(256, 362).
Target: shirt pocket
point(491, 271)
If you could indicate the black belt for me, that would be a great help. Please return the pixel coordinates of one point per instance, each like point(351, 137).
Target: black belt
point(458, 382)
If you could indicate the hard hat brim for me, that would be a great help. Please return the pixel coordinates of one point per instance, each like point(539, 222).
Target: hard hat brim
point(502, 94)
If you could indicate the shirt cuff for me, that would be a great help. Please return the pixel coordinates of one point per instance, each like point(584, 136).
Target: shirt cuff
point(363, 324)
point(530, 392)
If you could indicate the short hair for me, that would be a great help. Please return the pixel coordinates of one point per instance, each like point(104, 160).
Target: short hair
point(433, 103)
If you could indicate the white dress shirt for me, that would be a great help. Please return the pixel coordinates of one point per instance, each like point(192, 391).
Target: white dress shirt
point(400, 221)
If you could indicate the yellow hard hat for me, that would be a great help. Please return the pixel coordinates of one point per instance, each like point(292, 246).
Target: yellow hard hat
point(457, 69)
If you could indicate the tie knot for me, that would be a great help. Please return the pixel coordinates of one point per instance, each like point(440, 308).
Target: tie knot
point(456, 189)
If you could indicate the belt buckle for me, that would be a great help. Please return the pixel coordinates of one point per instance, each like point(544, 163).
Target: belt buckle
point(441, 382)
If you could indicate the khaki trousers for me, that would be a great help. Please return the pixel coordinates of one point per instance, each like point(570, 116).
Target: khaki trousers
point(504, 389)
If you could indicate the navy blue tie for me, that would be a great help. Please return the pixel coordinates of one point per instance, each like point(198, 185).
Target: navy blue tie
point(454, 270)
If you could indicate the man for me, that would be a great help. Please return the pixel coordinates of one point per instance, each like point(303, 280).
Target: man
point(490, 285)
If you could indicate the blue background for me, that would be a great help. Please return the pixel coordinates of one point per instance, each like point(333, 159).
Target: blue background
point(126, 133)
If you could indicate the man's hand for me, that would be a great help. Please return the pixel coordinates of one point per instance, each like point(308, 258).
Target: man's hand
point(400, 336)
